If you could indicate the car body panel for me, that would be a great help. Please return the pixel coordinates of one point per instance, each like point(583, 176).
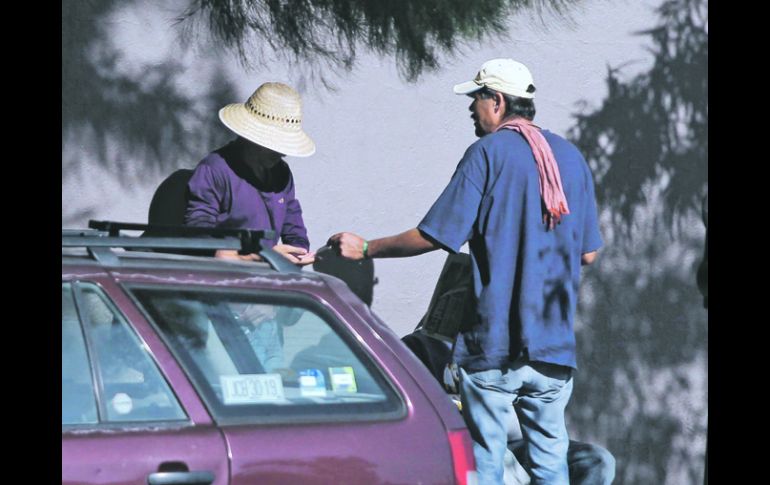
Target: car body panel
point(411, 449)
point(168, 365)
point(127, 455)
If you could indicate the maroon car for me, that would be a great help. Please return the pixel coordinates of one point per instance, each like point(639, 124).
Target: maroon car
point(180, 369)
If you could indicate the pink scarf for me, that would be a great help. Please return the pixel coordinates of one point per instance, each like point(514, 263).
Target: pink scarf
point(554, 200)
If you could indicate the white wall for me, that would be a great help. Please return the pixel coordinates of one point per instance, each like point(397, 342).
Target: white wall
point(385, 148)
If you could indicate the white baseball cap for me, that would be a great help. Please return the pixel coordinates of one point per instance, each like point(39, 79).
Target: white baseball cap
point(503, 75)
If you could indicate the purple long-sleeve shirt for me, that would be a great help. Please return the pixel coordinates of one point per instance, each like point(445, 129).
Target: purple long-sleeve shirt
point(226, 193)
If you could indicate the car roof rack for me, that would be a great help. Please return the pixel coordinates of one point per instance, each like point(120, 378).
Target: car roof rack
point(102, 236)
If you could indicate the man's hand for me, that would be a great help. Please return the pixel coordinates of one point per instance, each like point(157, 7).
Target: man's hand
point(299, 256)
point(349, 245)
point(588, 258)
point(408, 243)
point(233, 254)
point(294, 254)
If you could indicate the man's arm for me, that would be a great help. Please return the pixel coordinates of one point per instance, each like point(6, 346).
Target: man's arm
point(448, 224)
point(206, 191)
point(592, 238)
point(293, 231)
point(295, 245)
point(408, 243)
point(203, 207)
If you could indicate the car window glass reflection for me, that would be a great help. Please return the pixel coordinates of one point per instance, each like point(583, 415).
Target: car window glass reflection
point(245, 353)
point(134, 389)
point(78, 402)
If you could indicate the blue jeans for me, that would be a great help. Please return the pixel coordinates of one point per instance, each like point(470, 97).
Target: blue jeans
point(538, 392)
point(589, 464)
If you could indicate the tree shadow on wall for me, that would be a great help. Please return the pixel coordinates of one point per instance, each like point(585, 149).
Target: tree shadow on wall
point(121, 117)
point(654, 129)
point(642, 347)
point(112, 118)
point(73, 218)
point(641, 388)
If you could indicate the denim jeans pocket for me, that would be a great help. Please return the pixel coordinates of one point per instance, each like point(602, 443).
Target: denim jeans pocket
point(487, 378)
point(551, 387)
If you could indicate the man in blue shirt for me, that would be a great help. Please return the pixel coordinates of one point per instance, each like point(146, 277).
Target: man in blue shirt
point(523, 198)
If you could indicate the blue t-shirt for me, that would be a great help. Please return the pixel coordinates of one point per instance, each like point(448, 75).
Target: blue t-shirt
point(525, 278)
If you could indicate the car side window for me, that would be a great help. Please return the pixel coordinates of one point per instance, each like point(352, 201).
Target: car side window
point(269, 357)
point(78, 401)
point(130, 386)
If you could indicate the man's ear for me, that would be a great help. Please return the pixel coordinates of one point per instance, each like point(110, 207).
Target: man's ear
point(499, 102)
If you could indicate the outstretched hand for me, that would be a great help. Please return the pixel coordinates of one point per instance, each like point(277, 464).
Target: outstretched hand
point(299, 256)
point(233, 254)
point(348, 245)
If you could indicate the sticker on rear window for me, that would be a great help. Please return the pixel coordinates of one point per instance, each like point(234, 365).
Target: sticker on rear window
point(251, 388)
point(312, 383)
point(122, 403)
point(343, 379)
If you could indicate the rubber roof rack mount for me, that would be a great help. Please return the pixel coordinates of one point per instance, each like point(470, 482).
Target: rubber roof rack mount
point(102, 236)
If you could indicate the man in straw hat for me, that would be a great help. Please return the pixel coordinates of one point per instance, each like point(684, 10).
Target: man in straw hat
point(246, 183)
point(524, 200)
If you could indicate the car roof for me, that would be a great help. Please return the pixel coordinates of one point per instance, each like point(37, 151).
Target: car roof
point(149, 262)
point(103, 244)
point(82, 256)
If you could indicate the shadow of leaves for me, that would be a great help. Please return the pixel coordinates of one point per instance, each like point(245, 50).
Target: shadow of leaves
point(122, 117)
point(653, 129)
point(642, 387)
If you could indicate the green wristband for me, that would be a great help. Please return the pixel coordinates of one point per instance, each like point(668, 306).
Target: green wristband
point(366, 248)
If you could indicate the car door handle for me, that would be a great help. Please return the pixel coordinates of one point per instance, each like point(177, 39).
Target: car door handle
point(180, 478)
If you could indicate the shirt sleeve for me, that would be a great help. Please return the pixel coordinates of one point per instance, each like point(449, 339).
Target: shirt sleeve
point(206, 194)
point(293, 231)
point(451, 219)
point(592, 238)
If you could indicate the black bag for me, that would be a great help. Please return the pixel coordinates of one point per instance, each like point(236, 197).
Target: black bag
point(452, 308)
point(359, 275)
point(167, 208)
point(434, 352)
point(453, 305)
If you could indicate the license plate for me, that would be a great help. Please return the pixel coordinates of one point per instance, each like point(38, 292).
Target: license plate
point(252, 388)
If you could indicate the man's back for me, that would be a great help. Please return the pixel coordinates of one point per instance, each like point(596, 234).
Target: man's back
point(525, 276)
point(543, 268)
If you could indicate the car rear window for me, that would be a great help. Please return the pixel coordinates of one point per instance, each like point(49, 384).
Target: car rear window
point(270, 357)
point(78, 401)
point(108, 375)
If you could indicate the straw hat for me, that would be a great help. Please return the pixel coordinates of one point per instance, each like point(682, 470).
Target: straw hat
point(272, 117)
